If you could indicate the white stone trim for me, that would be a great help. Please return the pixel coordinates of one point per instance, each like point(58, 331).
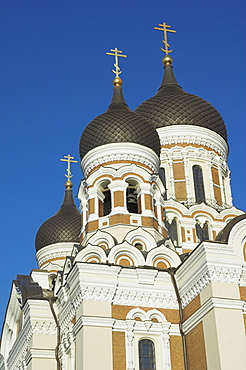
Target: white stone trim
point(191, 134)
point(120, 152)
point(210, 304)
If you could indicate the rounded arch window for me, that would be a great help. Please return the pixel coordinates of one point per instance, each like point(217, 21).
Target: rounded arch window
point(202, 231)
point(146, 350)
point(198, 184)
point(132, 200)
point(105, 206)
point(172, 229)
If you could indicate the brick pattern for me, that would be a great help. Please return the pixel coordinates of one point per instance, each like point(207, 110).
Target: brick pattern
point(215, 176)
point(148, 201)
point(176, 352)
point(180, 190)
point(92, 225)
point(119, 351)
point(217, 195)
point(119, 198)
point(183, 234)
point(242, 290)
point(91, 206)
point(119, 312)
point(119, 219)
point(192, 307)
point(196, 355)
point(178, 171)
point(149, 221)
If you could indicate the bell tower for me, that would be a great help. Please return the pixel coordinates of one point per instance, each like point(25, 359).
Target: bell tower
point(122, 191)
point(193, 159)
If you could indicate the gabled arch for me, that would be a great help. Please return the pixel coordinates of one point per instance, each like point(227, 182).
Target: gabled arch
point(163, 253)
point(140, 235)
point(102, 239)
point(90, 252)
point(125, 249)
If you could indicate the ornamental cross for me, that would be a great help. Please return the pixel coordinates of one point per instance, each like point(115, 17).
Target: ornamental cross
point(69, 160)
point(116, 53)
point(165, 28)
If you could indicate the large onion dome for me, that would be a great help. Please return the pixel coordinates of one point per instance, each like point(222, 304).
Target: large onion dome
point(64, 226)
point(171, 105)
point(117, 125)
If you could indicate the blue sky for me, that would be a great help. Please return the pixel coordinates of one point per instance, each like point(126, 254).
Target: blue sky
point(55, 78)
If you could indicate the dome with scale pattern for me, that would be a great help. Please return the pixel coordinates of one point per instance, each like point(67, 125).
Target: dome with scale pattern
point(171, 105)
point(63, 227)
point(119, 125)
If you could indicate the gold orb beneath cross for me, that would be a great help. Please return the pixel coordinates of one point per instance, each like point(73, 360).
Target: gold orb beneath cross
point(68, 184)
point(117, 81)
point(167, 60)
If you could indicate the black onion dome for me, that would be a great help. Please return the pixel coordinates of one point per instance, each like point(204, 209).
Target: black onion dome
point(224, 234)
point(119, 125)
point(171, 105)
point(65, 226)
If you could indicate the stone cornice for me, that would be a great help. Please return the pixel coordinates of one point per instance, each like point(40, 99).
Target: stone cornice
point(191, 134)
point(196, 318)
point(200, 269)
point(120, 152)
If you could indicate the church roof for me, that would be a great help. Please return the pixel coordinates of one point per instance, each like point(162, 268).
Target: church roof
point(64, 226)
point(223, 235)
point(171, 105)
point(119, 124)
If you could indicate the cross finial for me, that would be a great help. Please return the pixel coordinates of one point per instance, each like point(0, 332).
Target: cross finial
point(116, 53)
point(165, 28)
point(69, 175)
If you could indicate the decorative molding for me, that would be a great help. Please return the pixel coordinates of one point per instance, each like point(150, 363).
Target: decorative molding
point(191, 134)
point(198, 271)
point(196, 318)
point(120, 152)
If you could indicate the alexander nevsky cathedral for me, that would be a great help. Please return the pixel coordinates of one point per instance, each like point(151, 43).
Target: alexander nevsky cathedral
point(149, 273)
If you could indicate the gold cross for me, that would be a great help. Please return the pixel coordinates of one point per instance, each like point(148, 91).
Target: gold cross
point(165, 28)
point(116, 53)
point(69, 160)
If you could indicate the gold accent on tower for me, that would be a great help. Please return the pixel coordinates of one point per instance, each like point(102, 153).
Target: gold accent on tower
point(69, 175)
point(116, 53)
point(167, 60)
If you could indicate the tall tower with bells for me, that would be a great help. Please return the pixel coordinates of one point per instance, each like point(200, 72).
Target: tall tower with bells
point(151, 274)
point(194, 150)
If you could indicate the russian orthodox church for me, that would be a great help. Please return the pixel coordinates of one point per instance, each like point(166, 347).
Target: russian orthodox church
point(150, 273)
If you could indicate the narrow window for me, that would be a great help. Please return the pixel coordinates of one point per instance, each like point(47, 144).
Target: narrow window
point(202, 232)
point(198, 184)
point(146, 355)
point(105, 206)
point(107, 202)
point(132, 198)
point(162, 176)
point(172, 229)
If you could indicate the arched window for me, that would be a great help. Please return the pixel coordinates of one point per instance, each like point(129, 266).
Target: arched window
point(202, 232)
point(198, 184)
point(105, 206)
point(172, 229)
point(146, 350)
point(162, 175)
point(133, 203)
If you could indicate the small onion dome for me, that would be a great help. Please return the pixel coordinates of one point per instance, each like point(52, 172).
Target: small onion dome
point(171, 105)
point(117, 125)
point(64, 227)
point(223, 235)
